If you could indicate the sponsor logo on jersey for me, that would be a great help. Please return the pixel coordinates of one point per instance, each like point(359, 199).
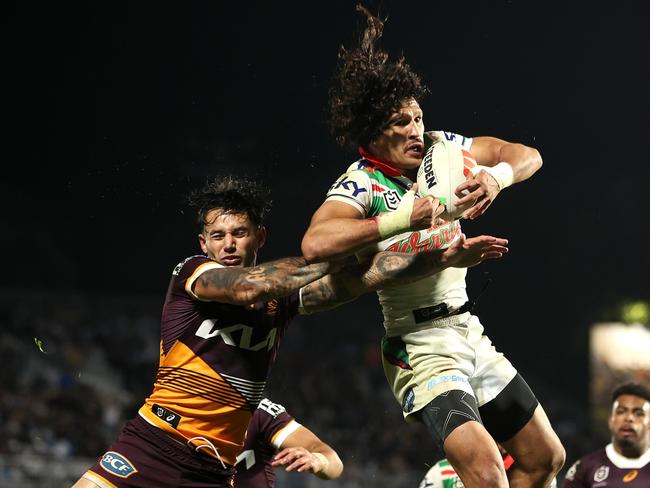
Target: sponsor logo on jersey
point(446, 378)
point(180, 265)
point(238, 335)
point(348, 185)
point(168, 416)
point(409, 400)
point(273, 409)
point(117, 465)
point(420, 241)
point(601, 474)
point(450, 136)
point(631, 476)
point(391, 199)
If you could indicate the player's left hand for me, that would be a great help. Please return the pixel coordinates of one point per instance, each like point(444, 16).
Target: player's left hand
point(465, 253)
point(483, 189)
point(298, 459)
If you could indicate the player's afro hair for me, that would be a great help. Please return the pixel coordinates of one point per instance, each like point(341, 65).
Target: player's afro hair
point(635, 389)
point(367, 88)
point(232, 194)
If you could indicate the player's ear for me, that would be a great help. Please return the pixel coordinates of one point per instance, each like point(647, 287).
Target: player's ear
point(204, 248)
point(261, 236)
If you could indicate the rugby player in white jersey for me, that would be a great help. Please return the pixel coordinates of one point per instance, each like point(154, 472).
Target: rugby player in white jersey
point(442, 369)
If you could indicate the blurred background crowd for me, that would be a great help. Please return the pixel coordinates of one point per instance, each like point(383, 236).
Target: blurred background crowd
point(117, 111)
point(76, 366)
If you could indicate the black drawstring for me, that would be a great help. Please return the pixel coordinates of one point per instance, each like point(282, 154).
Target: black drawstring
point(469, 305)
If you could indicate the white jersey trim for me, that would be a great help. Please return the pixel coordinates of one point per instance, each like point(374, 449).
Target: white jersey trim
point(198, 272)
point(461, 140)
point(350, 201)
point(623, 462)
point(253, 391)
point(282, 434)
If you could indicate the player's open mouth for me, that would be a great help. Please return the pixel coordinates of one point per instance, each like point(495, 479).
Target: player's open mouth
point(626, 432)
point(415, 149)
point(230, 261)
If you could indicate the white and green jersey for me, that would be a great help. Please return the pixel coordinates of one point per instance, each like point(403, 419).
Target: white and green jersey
point(373, 189)
point(441, 475)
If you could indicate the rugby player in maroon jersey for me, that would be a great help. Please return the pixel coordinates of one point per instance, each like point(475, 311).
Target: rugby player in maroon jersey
point(275, 438)
point(625, 462)
point(222, 322)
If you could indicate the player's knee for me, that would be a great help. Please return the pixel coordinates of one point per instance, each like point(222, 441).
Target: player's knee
point(491, 475)
point(546, 462)
point(475, 456)
point(555, 458)
point(481, 471)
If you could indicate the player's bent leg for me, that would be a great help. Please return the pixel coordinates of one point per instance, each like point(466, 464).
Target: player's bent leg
point(538, 453)
point(474, 455)
point(516, 420)
point(453, 420)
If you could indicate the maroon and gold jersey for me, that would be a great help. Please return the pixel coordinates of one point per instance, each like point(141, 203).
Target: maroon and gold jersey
point(214, 359)
point(270, 426)
point(606, 468)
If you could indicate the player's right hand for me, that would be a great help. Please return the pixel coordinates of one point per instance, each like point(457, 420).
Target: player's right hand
point(297, 459)
point(425, 210)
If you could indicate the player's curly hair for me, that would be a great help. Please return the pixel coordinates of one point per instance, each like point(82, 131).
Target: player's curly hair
point(232, 194)
point(367, 88)
point(636, 389)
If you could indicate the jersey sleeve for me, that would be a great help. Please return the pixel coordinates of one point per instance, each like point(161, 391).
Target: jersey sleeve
point(273, 423)
point(188, 271)
point(354, 188)
point(180, 301)
point(575, 476)
point(461, 140)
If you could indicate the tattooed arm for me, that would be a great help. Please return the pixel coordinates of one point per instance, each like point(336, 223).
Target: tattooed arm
point(241, 286)
point(391, 268)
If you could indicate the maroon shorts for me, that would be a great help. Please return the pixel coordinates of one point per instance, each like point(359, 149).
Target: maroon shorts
point(145, 457)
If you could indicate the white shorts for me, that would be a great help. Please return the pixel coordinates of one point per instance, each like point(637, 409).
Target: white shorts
point(450, 353)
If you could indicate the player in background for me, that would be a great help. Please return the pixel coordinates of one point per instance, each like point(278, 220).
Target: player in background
point(443, 475)
point(441, 367)
point(625, 462)
point(273, 439)
point(221, 326)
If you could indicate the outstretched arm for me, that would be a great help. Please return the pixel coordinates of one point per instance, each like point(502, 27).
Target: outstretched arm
point(500, 164)
point(303, 451)
point(391, 268)
point(241, 286)
point(338, 230)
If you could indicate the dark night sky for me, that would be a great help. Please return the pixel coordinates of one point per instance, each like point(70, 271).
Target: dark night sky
point(119, 110)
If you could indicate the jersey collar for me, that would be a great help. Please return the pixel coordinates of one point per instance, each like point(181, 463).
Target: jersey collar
point(623, 462)
point(385, 168)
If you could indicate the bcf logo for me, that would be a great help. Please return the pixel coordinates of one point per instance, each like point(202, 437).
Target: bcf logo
point(117, 464)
